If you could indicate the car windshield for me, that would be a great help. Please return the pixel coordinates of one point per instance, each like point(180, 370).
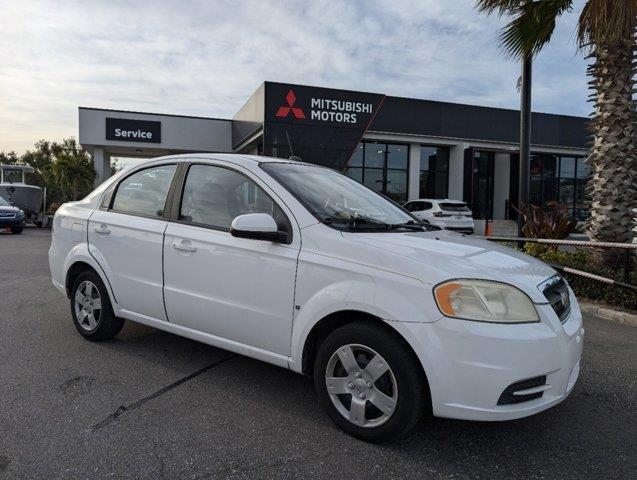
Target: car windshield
point(339, 201)
point(4, 203)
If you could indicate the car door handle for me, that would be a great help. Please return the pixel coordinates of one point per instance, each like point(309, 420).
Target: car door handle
point(185, 247)
point(102, 229)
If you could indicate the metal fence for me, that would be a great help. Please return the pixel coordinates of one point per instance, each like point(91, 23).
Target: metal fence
point(628, 250)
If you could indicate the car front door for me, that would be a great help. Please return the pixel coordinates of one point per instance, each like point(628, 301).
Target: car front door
point(126, 238)
point(238, 289)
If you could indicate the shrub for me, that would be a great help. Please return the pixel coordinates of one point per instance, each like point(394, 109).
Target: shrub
point(552, 223)
point(586, 287)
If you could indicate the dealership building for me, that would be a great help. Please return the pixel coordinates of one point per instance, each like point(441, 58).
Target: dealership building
point(404, 148)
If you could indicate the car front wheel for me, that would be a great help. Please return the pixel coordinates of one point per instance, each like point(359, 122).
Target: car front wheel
point(369, 382)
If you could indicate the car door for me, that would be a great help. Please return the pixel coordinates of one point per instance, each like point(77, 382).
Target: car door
point(238, 289)
point(126, 237)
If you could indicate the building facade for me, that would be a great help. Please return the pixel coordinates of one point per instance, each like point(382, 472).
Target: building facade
point(403, 148)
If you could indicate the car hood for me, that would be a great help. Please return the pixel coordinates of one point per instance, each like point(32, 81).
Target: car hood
point(9, 209)
point(458, 256)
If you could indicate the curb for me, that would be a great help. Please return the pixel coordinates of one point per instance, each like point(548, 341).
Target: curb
point(619, 316)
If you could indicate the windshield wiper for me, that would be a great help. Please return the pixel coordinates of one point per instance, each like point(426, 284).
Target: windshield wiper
point(414, 225)
point(363, 222)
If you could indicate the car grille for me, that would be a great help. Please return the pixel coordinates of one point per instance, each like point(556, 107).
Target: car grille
point(556, 292)
point(508, 397)
point(7, 215)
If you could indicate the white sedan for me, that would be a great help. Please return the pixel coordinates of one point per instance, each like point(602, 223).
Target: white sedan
point(304, 268)
point(448, 214)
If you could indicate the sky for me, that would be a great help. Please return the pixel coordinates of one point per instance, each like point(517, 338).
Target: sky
point(205, 58)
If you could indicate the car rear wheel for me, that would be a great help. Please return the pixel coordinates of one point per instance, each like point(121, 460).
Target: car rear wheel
point(16, 230)
point(369, 382)
point(91, 308)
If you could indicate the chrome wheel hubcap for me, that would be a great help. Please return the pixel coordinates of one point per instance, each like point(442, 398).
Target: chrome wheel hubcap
point(361, 385)
point(88, 306)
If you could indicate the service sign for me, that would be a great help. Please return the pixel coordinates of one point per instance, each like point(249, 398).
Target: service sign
point(320, 106)
point(128, 130)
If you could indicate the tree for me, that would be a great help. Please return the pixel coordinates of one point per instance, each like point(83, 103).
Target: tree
point(72, 169)
point(9, 158)
point(606, 30)
point(74, 175)
point(64, 168)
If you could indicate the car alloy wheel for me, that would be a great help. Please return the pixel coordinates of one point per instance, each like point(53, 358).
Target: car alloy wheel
point(88, 306)
point(361, 385)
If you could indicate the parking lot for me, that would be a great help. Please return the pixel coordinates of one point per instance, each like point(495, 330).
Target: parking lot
point(154, 405)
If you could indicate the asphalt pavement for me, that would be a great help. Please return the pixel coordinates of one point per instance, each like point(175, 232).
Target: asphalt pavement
point(153, 405)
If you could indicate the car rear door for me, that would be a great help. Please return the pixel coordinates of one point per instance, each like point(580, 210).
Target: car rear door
point(238, 289)
point(126, 237)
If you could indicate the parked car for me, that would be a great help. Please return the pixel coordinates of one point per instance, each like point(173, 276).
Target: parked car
point(448, 214)
point(302, 267)
point(11, 217)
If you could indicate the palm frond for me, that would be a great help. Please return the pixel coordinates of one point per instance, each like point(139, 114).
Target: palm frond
point(502, 7)
point(532, 26)
point(607, 21)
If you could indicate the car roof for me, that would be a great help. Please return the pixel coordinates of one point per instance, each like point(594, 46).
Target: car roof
point(235, 158)
point(437, 200)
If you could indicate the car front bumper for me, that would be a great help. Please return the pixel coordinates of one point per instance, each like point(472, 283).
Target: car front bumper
point(470, 364)
point(7, 222)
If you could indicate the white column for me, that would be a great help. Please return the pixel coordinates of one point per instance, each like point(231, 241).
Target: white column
point(102, 164)
point(501, 177)
point(456, 170)
point(413, 190)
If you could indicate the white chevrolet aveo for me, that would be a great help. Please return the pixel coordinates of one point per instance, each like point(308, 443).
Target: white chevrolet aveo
point(302, 267)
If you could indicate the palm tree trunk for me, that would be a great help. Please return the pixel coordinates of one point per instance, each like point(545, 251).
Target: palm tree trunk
point(612, 188)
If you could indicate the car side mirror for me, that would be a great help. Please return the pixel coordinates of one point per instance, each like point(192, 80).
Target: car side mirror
point(257, 226)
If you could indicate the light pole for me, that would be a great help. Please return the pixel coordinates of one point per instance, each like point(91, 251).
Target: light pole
point(525, 137)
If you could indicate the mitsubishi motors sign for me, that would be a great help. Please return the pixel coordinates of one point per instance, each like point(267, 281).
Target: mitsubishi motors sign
point(329, 107)
point(319, 125)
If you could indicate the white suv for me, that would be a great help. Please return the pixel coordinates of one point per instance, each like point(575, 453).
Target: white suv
point(302, 267)
point(448, 214)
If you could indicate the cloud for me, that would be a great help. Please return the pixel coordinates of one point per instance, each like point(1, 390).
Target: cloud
point(206, 58)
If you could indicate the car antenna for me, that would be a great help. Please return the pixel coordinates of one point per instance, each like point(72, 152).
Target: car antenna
point(292, 156)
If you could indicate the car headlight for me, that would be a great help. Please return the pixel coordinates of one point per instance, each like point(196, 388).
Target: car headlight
point(484, 301)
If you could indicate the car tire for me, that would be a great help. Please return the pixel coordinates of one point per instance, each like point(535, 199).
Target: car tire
point(91, 308)
point(342, 390)
point(17, 230)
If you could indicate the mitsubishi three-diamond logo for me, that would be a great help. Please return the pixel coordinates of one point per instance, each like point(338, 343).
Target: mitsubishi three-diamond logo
point(325, 110)
point(284, 111)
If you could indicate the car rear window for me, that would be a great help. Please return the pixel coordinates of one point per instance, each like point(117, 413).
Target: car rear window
point(455, 207)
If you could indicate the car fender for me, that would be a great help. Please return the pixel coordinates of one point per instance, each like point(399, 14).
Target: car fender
point(374, 298)
point(81, 253)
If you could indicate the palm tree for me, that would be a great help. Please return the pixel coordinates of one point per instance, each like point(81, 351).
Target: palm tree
point(72, 170)
point(606, 30)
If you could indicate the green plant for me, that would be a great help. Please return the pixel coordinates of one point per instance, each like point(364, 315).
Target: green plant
point(588, 288)
point(552, 223)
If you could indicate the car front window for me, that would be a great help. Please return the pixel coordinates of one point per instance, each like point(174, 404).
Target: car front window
point(4, 203)
point(339, 201)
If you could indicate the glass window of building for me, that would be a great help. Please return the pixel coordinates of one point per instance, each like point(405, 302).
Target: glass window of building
point(562, 179)
point(396, 175)
point(382, 167)
point(582, 175)
point(434, 172)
